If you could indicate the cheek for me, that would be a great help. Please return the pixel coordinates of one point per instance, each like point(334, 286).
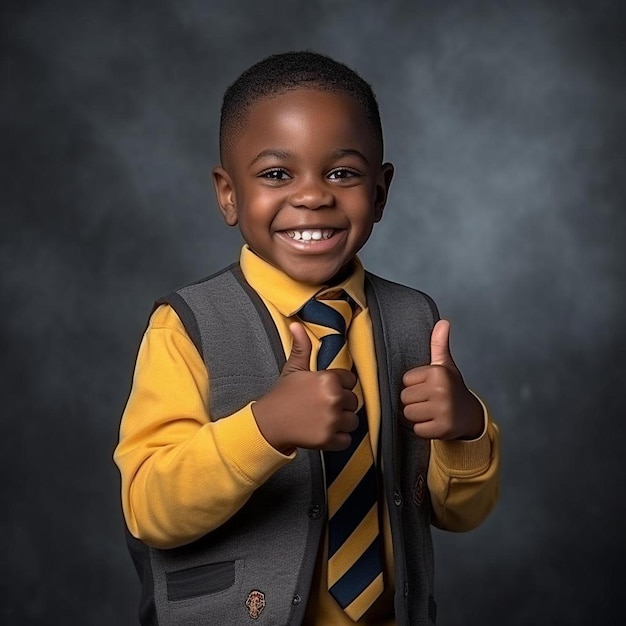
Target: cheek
point(363, 225)
point(362, 207)
point(259, 206)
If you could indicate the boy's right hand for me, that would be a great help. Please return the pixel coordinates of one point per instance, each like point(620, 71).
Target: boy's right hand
point(306, 409)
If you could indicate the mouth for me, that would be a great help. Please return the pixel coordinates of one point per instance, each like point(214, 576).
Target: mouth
point(310, 234)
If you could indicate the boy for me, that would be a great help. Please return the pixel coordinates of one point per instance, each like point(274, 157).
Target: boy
point(296, 424)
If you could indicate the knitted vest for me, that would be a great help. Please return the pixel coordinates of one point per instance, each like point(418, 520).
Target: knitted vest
point(257, 567)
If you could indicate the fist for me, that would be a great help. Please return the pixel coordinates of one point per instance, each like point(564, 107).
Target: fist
point(435, 398)
point(308, 409)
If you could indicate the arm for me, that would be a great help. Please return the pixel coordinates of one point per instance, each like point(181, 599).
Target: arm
point(463, 474)
point(182, 474)
point(463, 479)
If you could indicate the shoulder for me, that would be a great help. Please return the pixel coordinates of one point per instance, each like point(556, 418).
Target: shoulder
point(181, 309)
point(400, 296)
point(164, 317)
point(207, 296)
point(207, 284)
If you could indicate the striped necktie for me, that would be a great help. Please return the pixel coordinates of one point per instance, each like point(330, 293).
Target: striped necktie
point(355, 577)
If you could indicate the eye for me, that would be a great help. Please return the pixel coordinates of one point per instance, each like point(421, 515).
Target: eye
point(343, 173)
point(276, 174)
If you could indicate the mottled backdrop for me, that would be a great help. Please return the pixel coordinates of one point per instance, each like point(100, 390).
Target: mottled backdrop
point(505, 121)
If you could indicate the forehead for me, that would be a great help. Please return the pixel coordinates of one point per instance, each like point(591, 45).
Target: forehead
point(305, 118)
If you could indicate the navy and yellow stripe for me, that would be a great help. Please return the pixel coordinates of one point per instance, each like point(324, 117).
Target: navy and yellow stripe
point(355, 577)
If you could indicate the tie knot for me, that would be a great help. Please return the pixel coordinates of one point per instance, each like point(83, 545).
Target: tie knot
point(328, 316)
point(329, 310)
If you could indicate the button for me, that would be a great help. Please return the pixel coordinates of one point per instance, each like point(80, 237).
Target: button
point(296, 600)
point(397, 497)
point(406, 589)
point(315, 511)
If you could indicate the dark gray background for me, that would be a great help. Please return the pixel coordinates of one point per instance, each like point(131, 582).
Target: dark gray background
point(505, 121)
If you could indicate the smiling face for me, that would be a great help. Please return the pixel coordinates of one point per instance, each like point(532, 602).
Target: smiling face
point(304, 182)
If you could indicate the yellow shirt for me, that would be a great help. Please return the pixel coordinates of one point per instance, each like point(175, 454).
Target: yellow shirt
point(171, 455)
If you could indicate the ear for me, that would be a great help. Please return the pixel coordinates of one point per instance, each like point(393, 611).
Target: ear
point(383, 183)
point(225, 193)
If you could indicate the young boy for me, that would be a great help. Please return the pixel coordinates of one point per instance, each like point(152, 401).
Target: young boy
point(295, 423)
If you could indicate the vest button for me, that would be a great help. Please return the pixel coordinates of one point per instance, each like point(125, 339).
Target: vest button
point(296, 600)
point(397, 497)
point(315, 511)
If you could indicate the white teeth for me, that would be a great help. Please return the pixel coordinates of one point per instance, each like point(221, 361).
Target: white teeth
point(308, 235)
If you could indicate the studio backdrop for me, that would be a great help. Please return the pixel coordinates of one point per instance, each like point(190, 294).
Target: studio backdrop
point(505, 122)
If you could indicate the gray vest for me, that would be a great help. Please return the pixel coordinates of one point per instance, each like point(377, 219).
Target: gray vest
point(258, 566)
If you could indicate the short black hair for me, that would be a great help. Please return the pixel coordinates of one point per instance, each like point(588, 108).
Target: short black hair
point(279, 73)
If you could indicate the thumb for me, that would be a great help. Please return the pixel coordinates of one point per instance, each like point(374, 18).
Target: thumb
point(440, 344)
point(300, 357)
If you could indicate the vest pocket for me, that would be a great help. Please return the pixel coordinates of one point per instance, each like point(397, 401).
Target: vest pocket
point(200, 580)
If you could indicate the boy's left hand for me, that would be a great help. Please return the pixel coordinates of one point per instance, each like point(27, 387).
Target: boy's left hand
point(435, 397)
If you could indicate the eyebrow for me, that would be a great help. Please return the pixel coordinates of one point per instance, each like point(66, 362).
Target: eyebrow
point(284, 155)
point(350, 152)
point(278, 154)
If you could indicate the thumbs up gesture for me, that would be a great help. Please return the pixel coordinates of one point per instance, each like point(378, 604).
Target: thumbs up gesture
point(307, 409)
point(435, 397)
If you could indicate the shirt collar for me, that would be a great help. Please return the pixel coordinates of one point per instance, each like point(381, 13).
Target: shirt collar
point(289, 295)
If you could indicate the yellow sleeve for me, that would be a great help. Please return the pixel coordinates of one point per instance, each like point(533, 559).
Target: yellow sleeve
point(463, 479)
point(183, 475)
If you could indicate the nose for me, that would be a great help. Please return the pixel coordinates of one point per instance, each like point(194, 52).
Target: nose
point(312, 194)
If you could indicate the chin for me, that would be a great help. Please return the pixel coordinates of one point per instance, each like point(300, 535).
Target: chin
point(316, 276)
point(308, 279)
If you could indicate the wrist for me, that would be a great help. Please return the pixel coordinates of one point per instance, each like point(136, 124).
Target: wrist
point(474, 420)
point(268, 430)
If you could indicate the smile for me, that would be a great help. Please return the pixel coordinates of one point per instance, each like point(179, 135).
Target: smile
point(315, 234)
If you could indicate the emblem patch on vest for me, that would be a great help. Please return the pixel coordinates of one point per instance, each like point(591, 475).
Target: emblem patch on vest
point(419, 490)
point(255, 603)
